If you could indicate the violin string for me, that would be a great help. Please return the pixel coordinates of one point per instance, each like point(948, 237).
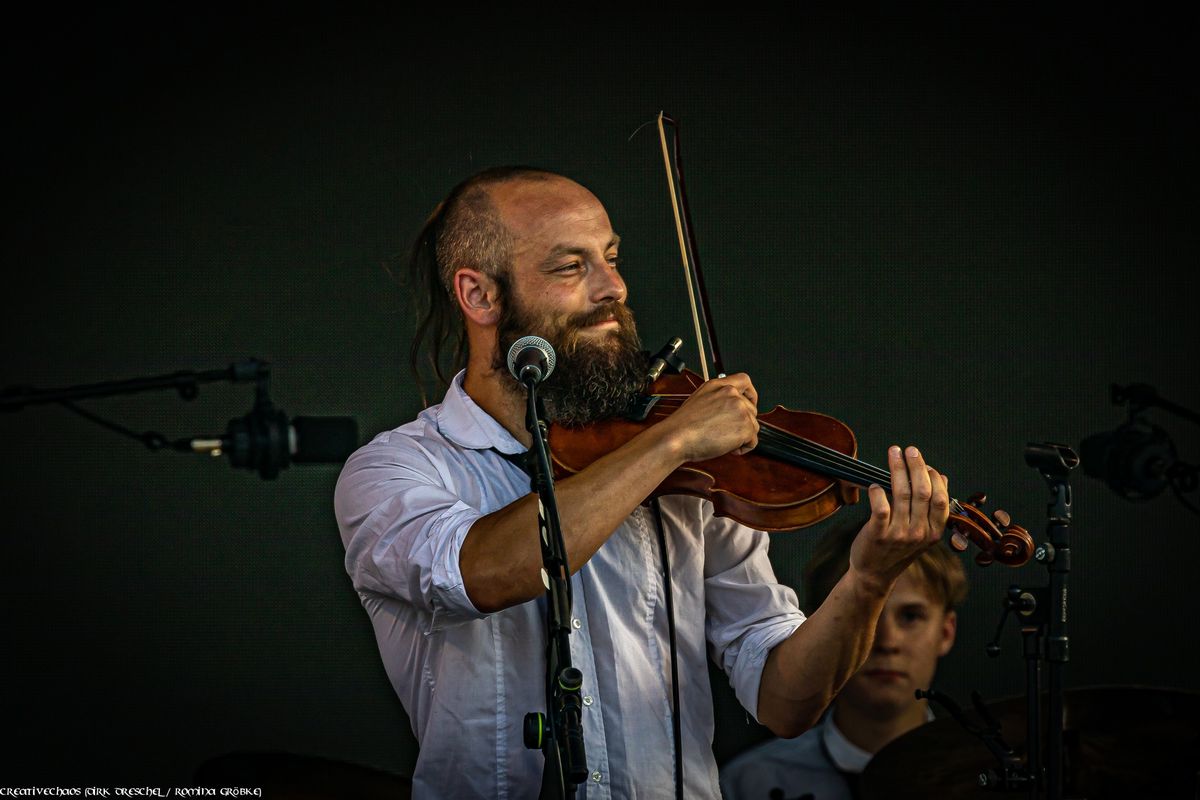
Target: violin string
point(871, 473)
point(815, 455)
point(826, 453)
point(843, 466)
point(820, 458)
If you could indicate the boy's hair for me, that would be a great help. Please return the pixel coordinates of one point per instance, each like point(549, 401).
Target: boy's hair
point(937, 569)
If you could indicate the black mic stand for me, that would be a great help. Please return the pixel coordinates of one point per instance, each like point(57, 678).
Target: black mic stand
point(1043, 613)
point(185, 382)
point(1055, 462)
point(1031, 605)
point(559, 732)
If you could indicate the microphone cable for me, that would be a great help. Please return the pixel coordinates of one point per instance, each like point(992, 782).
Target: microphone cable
point(676, 722)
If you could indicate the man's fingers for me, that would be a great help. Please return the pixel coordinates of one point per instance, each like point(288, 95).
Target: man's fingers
point(741, 381)
point(752, 442)
point(901, 486)
point(748, 390)
point(881, 512)
point(939, 505)
point(922, 487)
point(721, 417)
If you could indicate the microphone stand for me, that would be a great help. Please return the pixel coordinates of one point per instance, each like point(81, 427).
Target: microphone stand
point(1055, 462)
point(185, 382)
point(559, 732)
point(1043, 614)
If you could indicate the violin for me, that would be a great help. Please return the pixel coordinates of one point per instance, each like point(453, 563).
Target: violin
point(805, 466)
point(803, 470)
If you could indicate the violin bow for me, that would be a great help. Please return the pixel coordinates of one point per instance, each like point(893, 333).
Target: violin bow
point(996, 535)
point(693, 277)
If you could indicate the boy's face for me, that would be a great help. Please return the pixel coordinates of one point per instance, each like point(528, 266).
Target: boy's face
point(914, 631)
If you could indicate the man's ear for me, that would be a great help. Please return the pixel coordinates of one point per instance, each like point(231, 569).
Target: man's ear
point(477, 295)
point(949, 630)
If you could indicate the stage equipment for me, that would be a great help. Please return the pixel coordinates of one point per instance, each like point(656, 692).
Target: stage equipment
point(264, 440)
point(1138, 459)
point(1122, 742)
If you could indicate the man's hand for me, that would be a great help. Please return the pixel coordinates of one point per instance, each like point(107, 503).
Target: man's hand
point(720, 417)
point(897, 533)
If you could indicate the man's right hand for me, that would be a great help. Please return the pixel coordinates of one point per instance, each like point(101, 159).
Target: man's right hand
point(720, 417)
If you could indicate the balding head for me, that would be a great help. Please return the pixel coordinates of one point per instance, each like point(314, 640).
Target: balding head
point(466, 229)
point(473, 222)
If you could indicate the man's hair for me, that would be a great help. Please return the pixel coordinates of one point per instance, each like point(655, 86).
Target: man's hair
point(937, 569)
point(465, 229)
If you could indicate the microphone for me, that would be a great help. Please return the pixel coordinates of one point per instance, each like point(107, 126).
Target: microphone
point(266, 441)
point(322, 440)
point(531, 358)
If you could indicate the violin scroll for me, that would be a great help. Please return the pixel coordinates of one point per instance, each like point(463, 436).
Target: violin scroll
point(997, 538)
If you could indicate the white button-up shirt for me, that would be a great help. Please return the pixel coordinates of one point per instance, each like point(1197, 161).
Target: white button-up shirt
point(405, 503)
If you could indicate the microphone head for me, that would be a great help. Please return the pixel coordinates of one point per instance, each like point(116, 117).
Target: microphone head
point(322, 440)
point(531, 351)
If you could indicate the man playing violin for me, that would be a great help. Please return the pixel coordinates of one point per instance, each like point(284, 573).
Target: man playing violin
point(440, 526)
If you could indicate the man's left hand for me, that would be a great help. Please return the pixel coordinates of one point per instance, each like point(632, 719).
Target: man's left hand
point(898, 532)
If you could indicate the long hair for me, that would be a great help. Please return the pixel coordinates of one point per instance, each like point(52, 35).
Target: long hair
point(464, 230)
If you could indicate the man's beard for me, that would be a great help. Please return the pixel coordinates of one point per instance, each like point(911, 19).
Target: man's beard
point(595, 376)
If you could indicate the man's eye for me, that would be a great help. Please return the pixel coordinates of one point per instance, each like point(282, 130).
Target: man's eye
point(574, 265)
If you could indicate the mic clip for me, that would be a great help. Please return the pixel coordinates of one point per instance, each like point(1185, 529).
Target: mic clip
point(665, 360)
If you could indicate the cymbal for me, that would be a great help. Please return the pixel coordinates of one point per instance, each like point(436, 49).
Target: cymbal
point(1121, 742)
point(289, 776)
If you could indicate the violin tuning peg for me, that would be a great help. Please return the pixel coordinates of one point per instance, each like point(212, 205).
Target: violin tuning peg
point(1001, 516)
point(977, 499)
point(984, 558)
point(958, 541)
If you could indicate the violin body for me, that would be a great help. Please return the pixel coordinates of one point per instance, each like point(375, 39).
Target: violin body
point(756, 490)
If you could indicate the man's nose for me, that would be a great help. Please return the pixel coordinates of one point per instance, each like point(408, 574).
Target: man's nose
point(607, 284)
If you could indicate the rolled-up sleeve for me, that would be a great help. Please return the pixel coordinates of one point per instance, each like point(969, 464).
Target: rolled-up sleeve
point(748, 610)
point(403, 532)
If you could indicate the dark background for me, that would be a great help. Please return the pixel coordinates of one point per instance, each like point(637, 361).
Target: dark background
point(951, 229)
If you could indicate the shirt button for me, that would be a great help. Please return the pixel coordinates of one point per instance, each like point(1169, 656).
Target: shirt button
point(596, 776)
point(576, 624)
point(588, 700)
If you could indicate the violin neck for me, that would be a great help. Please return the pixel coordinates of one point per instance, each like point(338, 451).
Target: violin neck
point(823, 460)
point(818, 458)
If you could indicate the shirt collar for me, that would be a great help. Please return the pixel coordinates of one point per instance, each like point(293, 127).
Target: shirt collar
point(463, 422)
point(847, 756)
